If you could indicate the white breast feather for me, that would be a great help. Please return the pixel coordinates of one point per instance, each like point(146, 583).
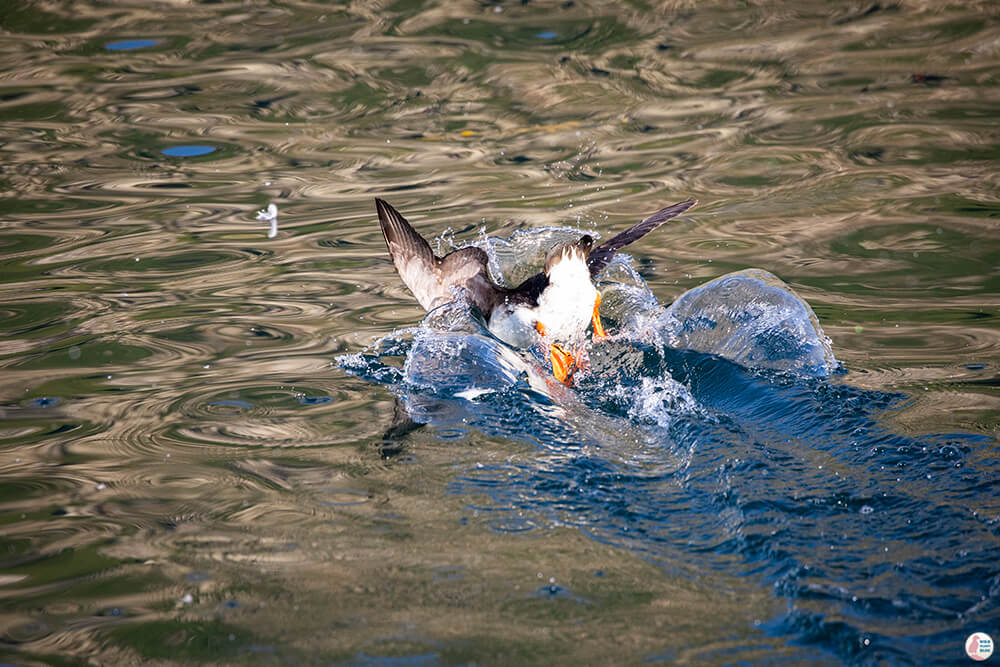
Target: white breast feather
point(566, 306)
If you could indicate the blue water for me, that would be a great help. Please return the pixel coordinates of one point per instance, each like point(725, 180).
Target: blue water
point(883, 545)
point(131, 44)
point(188, 150)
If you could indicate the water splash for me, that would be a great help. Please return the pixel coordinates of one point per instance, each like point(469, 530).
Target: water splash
point(751, 318)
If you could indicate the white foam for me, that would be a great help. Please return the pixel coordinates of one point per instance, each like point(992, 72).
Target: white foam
point(660, 400)
point(473, 393)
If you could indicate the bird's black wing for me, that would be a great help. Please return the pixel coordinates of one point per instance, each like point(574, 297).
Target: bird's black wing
point(529, 291)
point(602, 254)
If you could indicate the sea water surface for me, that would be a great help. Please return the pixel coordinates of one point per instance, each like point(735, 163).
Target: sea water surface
point(229, 435)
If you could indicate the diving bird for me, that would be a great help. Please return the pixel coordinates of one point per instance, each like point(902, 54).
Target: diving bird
point(554, 306)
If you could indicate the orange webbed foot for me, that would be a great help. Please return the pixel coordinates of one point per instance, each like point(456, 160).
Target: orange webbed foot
point(599, 333)
point(563, 364)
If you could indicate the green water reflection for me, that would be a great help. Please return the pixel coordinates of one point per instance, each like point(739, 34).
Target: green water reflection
point(185, 478)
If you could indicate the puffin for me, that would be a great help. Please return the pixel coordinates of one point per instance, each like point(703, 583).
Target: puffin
point(554, 307)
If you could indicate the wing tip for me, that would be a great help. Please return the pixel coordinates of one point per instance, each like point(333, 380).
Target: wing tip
point(672, 211)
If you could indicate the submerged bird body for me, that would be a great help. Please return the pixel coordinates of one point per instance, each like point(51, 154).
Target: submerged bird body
point(554, 306)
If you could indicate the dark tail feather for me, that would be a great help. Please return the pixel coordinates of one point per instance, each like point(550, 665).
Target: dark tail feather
point(602, 254)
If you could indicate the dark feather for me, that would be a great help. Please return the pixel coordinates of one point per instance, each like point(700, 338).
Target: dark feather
point(432, 279)
point(602, 254)
point(529, 291)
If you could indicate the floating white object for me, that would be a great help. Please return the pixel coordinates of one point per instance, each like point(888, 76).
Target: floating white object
point(271, 214)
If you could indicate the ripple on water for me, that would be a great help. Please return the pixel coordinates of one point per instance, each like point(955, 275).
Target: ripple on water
point(341, 497)
point(172, 429)
point(244, 414)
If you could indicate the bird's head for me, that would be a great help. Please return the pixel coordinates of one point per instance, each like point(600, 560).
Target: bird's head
point(577, 250)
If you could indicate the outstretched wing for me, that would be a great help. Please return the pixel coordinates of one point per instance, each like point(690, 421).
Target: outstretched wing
point(602, 254)
point(432, 278)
